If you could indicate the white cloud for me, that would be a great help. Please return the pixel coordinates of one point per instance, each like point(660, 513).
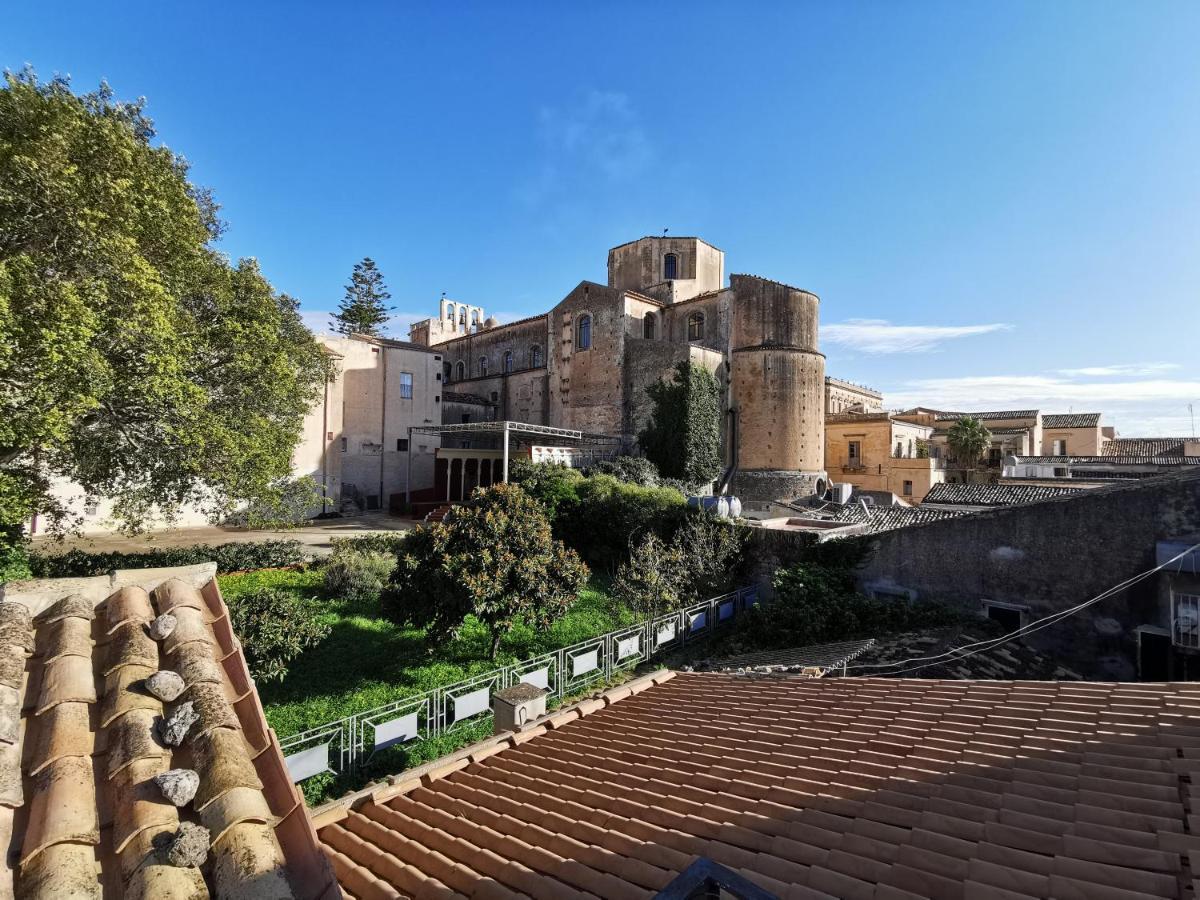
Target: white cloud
point(1131, 370)
point(1138, 407)
point(881, 336)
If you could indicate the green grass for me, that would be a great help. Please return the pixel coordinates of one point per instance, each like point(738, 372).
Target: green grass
point(367, 661)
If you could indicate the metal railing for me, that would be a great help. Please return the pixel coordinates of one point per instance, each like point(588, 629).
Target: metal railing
point(342, 746)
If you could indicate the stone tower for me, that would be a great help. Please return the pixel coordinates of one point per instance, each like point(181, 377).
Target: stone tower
point(669, 269)
point(778, 387)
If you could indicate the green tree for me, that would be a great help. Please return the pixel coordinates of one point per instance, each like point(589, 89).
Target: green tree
point(274, 627)
point(134, 358)
point(683, 438)
point(968, 439)
point(492, 557)
point(364, 307)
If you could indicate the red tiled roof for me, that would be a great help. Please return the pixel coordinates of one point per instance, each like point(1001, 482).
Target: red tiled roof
point(1159, 446)
point(854, 788)
point(80, 812)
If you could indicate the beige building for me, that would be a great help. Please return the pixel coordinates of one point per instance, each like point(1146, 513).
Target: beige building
point(1073, 434)
point(845, 396)
point(356, 443)
point(586, 363)
point(880, 452)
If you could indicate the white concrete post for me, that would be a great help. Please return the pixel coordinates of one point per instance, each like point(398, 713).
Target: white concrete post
point(505, 464)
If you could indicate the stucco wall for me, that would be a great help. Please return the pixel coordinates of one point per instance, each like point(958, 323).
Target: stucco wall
point(1080, 441)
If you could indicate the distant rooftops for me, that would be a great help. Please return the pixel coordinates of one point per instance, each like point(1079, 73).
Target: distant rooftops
point(1157, 446)
point(857, 388)
point(1071, 420)
point(984, 416)
point(992, 494)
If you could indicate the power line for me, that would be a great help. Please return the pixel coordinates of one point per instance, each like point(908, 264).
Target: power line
point(958, 653)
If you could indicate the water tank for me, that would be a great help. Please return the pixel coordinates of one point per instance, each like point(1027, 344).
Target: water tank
point(722, 507)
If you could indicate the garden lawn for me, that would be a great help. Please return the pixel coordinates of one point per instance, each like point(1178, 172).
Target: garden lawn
point(367, 661)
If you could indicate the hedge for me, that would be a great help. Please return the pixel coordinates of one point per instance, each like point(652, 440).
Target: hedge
point(232, 557)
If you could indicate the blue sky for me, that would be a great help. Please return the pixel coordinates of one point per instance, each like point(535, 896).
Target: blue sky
point(999, 204)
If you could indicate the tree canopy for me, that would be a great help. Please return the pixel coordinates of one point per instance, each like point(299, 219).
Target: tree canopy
point(683, 437)
point(968, 438)
point(135, 359)
point(493, 557)
point(364, 308)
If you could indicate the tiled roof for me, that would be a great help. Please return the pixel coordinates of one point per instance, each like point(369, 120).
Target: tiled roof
point(1172, 446)
point(794, 659)
point(984, 416)
point(1122, 460)
point(1071, 420)
point(889, 518)
point(1005, 662)
point(993, 494)
point(810, 788)
point(80, 746)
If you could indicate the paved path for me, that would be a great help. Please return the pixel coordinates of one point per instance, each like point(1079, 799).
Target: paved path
point(316, 536)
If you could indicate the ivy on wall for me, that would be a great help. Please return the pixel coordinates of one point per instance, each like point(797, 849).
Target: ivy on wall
point(683, 438)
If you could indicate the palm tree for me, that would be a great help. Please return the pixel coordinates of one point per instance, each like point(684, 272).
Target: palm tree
point(968, 438)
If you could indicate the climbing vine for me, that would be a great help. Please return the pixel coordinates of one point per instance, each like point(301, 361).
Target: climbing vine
point(683, 437)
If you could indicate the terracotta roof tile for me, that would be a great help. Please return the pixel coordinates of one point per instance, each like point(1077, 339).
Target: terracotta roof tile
point(808, 787)
point(80, 807)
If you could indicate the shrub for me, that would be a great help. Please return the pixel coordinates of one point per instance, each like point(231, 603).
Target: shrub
point(358, 576)
point(630, 469)
point(815, 604)
point(703, 559)
point(554, 485)
point(274, 627)
point(383, 542)
point(238, 556)
point(493, 557)
point(609, 517)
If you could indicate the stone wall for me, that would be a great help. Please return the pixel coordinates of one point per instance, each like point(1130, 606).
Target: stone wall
point(585, 389)
point(647, 362)
point(519, 338)
point(1046, 556)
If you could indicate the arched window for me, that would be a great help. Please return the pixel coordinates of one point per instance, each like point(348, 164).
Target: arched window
point(583, 333)
point(450, 312)
point(670, 267)
point(460, 370)
point(696, 326)
point(483, 365)
point(508, 361)
point(648, 323)
point(535, 356)
point(462, 316)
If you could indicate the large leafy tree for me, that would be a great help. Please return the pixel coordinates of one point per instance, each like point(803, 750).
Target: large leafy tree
point(683, 437)
point(968, 439)
point(135, 359)
point(493, 557)
point(364, 308)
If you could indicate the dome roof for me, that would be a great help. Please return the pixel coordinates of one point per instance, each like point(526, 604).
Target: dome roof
point(491, 322)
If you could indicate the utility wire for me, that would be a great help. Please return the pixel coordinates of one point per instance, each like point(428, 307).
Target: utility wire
point(966, 650)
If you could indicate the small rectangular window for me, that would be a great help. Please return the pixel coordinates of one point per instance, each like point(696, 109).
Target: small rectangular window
point(908, 489)
point(437, 399)
point(439, 376)
point(406, 385)
point(1060, 448)
point(343, 445)
point(466, 417)
point(401, 444)
point(854, 451)
point(1061, 472)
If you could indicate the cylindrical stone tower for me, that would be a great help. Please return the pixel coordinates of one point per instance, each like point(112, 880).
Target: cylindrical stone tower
point(778, 382)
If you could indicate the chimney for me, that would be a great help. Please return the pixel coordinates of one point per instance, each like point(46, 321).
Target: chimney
point(515, 707)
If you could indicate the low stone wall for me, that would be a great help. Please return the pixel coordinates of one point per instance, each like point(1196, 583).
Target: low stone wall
point(1048, 556)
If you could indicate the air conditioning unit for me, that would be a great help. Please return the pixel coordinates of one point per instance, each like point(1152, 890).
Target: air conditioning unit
point(841, 492)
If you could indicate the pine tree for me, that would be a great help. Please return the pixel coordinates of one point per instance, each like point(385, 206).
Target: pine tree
point(365, 307)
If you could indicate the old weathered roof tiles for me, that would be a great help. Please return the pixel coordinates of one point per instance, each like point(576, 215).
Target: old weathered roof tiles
point(80, 747)
point(1160, 446)
point(992, 494)
point(810, 788)
point(984, 416)
point(1071, 420)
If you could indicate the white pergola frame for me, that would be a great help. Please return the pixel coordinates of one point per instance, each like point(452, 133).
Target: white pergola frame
point(507, 430)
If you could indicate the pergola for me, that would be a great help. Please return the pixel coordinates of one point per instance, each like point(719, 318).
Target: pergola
point(509, 433)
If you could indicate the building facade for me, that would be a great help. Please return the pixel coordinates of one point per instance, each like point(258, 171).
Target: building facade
point(586, 363)
point(878, 452)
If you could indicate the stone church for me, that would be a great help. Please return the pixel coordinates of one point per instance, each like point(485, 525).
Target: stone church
point(586, 363)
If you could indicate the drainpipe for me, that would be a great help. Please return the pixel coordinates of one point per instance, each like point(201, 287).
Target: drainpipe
point(383, 425)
